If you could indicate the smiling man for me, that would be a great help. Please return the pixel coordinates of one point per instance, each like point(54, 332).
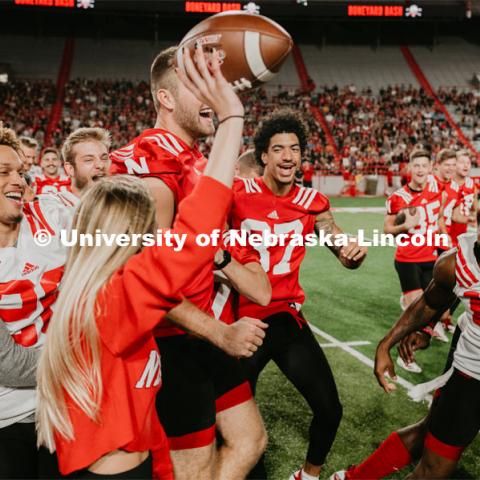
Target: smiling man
point(420, 202)
point(51, 179)
point(274, 204)
point(205, 389)
point(85, 153)
point(29, 280)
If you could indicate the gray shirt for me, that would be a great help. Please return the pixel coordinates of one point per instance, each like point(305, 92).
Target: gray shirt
point(18, 365)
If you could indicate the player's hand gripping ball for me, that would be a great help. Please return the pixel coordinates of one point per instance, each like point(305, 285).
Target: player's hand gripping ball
point(252, 47)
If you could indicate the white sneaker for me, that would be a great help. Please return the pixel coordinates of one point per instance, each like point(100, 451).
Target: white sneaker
point(298, 475)
point(439, 333)
point(411, 367)
point(451, 328)
point(340, 475)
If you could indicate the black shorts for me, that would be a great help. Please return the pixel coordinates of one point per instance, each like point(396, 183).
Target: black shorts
point(414, 276)
point(199, 381)
point(142, 471)
point(19, 456)
point(455, 420)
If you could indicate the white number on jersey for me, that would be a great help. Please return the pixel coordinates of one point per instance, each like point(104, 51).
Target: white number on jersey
point(283, 266)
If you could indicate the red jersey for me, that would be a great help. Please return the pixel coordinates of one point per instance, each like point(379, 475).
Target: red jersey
point(452, 191)
point(257, 209)
point(307, 170)
point(225, 297)
point(131, 306)
point(428, 205)
point(465, 201)
point(44, 184)
point(158, 153)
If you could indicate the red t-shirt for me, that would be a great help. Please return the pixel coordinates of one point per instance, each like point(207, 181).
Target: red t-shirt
point(452, 190)
point(44, 184)
point(465, 201)
point(257, 209)
point(133, 302)
point(307, 170)
point(428, 205)
point(158, 153)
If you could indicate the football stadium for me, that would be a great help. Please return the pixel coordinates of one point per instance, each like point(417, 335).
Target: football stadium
point(305, 119)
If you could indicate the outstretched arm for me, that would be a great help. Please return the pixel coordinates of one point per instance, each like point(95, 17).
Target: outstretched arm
point(437, 298)
point(352, 255)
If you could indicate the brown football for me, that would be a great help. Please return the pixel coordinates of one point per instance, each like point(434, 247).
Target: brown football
point(252, 47)
point(400, 218)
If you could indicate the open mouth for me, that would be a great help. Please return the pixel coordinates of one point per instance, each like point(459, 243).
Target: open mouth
point(15, 197)
point(98, 177)
point(206, 113)
point(287, 169)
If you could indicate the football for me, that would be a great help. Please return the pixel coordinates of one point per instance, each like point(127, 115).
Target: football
point(252, 47)
point(400, 218)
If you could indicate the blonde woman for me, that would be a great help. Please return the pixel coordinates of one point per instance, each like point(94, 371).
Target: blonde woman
point(100, 369)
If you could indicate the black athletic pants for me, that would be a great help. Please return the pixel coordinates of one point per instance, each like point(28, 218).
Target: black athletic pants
point(292, 346)
point(19, 456)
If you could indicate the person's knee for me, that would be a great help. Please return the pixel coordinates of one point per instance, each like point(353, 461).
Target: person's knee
point(335, 415)
point(194, 461)
point(413, 438)
point(250, 443)
point(433, 466)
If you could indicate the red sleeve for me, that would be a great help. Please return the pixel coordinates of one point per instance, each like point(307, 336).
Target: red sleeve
point(320, 203)
point(140, 294)
point(243, 255)
point(394, 204)
point(145, 158)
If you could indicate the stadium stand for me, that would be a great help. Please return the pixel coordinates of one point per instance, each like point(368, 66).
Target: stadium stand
point(342, 65)
point(32, 57)
point(363, 127)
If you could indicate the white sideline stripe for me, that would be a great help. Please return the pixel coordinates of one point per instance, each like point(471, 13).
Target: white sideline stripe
point(350, 344)
point(361, 357)
point(359, 209)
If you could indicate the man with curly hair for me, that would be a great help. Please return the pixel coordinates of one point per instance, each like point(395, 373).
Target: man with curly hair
point(274, 204)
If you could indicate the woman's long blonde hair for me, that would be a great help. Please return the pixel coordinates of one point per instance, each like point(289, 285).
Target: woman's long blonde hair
point(71, 361)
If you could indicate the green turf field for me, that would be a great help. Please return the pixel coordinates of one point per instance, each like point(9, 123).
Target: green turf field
point(351, 306)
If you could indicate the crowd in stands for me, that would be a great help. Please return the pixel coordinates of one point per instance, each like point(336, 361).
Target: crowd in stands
point(373, 131)
point(25, 106)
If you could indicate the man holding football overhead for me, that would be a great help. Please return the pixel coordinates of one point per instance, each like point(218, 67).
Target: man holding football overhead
point(204, 389)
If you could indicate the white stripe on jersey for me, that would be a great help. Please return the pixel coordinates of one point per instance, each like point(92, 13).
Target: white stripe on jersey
point(175, 142)
point(247, 185)
point(310, 199)
point(162, 142)
point(255, 186)
point(299, 194)
point(251, 186)
point(407, 197)
point(303, 196)
point(467, 353)
point(432, 184)
point(469, 182)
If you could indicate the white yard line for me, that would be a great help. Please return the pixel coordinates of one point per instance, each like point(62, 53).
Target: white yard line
point(359, 209)
point(359, 356)
point(350, 344)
